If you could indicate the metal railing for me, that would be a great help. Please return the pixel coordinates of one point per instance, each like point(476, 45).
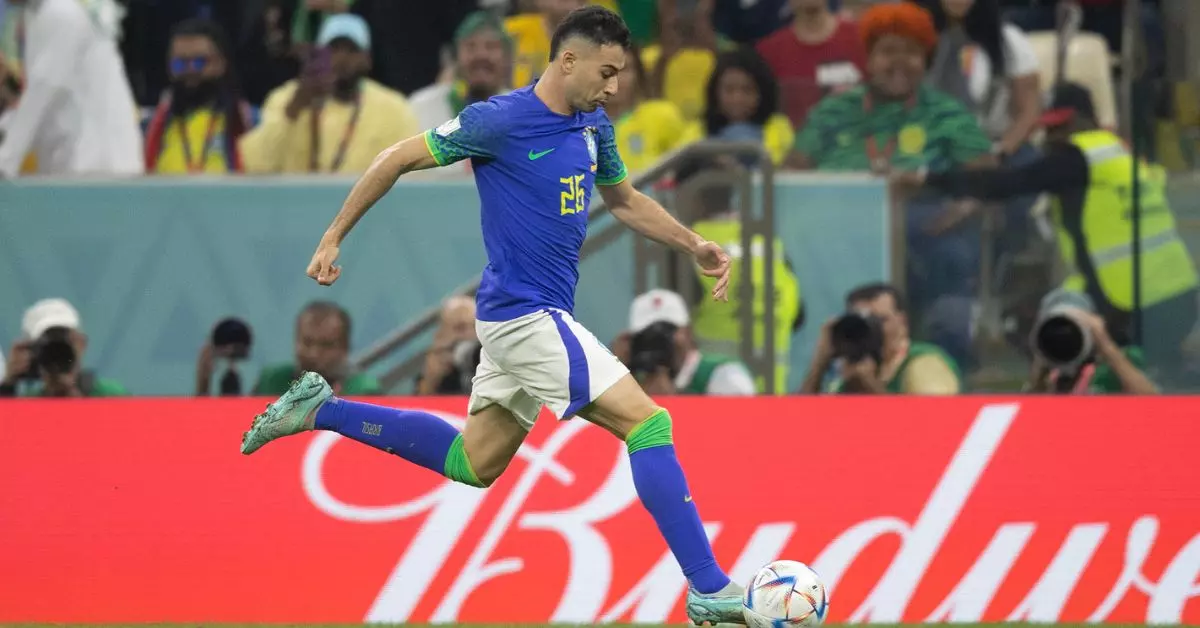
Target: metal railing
point(760, 360)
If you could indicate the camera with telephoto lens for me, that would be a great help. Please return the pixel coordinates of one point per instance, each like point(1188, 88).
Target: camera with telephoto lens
point(856, 336)
point(1061, 342)
point(653, 348)
point(1058, 337)
point(53, 352)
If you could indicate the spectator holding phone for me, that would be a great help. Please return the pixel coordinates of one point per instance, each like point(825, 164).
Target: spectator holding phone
point(332, 118)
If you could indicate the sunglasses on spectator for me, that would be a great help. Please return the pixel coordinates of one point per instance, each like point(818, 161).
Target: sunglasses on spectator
point(181, 65)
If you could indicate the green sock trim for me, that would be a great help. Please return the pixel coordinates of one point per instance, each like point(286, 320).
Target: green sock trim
point(457, 467)
point(653, 432)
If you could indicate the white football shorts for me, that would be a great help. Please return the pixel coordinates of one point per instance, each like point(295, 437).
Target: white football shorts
point(544, 358)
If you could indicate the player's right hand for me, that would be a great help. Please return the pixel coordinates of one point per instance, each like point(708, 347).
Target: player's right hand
point(322, 267)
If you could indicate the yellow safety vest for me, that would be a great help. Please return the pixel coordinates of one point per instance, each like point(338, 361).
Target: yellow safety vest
point(1107, 224)
point(716, 324)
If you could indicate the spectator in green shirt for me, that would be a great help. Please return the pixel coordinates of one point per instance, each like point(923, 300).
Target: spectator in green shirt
point(322, 346)
point(894, 121)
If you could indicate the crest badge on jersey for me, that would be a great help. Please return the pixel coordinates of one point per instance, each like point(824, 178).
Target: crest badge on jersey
point(448, 127)
point(589, 136)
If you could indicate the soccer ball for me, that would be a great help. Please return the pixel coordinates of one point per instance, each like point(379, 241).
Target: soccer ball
point(785, 593)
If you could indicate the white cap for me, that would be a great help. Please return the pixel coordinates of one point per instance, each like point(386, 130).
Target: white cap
point(345, 26)
point(49, 313)
point(658, 306)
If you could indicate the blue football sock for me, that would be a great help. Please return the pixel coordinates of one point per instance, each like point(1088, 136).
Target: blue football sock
point(663, 489)
point(418, 437)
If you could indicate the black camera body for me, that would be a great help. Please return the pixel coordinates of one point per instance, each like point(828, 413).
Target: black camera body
point(234, 336)
point(856, 336)
point(653, 348)
point(53, 352)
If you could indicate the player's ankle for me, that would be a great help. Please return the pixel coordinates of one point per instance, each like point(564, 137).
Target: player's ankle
point(310, 419)
point(711, 580)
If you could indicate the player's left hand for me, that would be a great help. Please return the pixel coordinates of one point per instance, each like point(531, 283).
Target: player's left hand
point(714, 262)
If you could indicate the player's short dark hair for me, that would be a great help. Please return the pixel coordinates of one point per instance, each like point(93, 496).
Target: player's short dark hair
point(320, 310)
point(593, 23)
point(872, 291)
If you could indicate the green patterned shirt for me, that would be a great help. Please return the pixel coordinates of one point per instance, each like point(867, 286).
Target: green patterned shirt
point(936, 131)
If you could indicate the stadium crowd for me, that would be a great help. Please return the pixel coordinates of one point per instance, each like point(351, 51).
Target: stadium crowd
point(190, 87)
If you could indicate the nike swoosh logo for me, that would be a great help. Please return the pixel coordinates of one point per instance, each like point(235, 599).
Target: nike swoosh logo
point(687, 499)
point(535, 155)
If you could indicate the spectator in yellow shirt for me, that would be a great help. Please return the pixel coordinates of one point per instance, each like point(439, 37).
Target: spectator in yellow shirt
point(199, 120)
point(647, 128)
point(743, 104)
point(332, 119)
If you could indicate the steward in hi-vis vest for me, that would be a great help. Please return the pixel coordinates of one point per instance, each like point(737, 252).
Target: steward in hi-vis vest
point(1090, 172)
point(717, 324)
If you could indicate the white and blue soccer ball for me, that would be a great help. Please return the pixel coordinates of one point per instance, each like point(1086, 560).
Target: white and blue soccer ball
point(785, 593)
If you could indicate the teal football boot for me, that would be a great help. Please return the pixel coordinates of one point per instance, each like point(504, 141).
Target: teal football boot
point(288, 414)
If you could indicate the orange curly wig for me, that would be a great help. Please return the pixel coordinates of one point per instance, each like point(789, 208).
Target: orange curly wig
point(901, 18)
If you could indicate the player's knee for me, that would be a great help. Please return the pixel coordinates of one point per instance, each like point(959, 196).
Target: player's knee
point(487, 466)
point(622, 408)
point(487, 474)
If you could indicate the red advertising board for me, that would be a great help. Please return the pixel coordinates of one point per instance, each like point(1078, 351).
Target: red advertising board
point(965, 509)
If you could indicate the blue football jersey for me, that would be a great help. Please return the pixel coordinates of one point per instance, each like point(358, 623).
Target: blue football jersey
point(534, 170)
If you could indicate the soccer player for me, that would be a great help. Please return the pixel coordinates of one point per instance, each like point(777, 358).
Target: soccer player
point(537, 153)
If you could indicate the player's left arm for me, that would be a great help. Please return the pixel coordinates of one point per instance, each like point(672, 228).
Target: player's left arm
point(645, 216)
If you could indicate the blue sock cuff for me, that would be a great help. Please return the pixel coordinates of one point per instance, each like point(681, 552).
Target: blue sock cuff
point(329, 415)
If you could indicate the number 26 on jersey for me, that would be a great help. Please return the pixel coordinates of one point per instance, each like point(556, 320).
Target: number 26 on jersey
point(572, 196)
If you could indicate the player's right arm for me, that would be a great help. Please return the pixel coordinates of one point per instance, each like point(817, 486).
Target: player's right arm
point(476, 132)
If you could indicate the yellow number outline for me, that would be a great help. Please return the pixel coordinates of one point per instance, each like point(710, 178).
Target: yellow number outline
point(574, 192)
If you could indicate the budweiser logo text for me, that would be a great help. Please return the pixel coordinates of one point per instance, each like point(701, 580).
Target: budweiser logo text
point(959, 510)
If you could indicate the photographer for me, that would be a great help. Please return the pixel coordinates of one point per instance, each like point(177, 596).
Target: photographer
point(1073, 352)
point(875, 354)
point(229, 343)
point(322, 346)
point(451, 360)
point(48, 359)
point(660, 350)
